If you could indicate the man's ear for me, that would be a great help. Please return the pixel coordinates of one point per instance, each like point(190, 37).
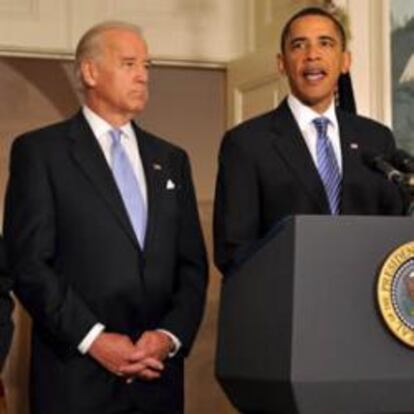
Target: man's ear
point(280, 64)
point(89, 72)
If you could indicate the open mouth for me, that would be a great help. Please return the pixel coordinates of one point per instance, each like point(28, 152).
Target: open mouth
point(314, 75)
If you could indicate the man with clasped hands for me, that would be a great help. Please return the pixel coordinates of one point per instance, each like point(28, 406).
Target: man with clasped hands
point(105, 244)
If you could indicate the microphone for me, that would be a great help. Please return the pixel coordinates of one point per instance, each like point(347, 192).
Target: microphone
point(404, 161)
point(403, 180)
point(378, 162)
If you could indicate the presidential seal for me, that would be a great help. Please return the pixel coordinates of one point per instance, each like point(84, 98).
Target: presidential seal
point(395, 293)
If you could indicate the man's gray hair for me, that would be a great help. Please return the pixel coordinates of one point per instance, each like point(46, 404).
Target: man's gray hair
point(90, 46)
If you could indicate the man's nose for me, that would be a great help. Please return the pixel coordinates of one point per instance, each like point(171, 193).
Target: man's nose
point(142, 74)
point(312, 52)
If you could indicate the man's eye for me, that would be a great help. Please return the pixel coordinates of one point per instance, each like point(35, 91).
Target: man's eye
point(298, 45)
point(327, 43)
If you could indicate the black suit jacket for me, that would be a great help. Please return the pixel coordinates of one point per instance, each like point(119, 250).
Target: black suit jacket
point(267, 173)
point(76, 261)
point(6, 306)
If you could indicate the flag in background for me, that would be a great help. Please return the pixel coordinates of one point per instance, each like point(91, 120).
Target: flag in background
point(345, 99)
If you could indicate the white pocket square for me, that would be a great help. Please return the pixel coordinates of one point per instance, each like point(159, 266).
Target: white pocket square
point(170, 185)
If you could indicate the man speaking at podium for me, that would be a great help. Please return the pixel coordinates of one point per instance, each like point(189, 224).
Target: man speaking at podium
point(304, 157)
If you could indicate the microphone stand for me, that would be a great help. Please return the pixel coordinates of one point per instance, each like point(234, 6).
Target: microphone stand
point(407, 189)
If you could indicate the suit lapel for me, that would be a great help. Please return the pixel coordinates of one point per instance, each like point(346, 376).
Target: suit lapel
point(153, 173)
point(291, 146)
point(350, 155)
point(89, 157)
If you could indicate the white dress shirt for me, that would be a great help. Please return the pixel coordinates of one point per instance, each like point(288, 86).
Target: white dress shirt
point(100, 129)
point(129, 142)
point(304, 116)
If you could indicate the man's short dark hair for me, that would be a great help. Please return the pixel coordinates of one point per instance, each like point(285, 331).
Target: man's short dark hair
point(312, 11)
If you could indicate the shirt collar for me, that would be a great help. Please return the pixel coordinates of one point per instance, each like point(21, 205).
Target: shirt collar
point(100, 127)
point(304, 115)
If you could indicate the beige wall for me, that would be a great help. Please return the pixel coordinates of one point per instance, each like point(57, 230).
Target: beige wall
point(187, 106)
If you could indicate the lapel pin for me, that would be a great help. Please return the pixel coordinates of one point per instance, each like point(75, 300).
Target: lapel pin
point(157, 166)
point(170, 185)
point(354, 146)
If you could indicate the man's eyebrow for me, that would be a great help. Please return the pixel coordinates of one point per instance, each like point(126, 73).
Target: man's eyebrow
point(297, 39)
point(327, 37)
point(136, 58)
point(302, 39)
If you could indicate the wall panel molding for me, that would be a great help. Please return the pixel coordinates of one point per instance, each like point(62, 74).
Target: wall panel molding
point(20, 8)
point(195, 30)
point(41, 24)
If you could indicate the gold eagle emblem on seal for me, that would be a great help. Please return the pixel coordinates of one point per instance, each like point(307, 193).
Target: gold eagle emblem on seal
point(395, 293)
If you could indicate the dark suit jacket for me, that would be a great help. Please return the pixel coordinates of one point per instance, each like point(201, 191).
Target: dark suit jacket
point(6, 306)
point(76, 261)
point(267, 173)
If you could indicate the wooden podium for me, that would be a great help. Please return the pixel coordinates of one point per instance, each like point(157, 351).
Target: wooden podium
point(299, 326)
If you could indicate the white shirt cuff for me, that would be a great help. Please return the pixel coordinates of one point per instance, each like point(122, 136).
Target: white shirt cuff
point(87, 341)
point(175, 340)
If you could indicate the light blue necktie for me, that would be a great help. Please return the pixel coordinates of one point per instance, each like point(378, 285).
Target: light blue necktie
point(128, 186)
point(327, 164)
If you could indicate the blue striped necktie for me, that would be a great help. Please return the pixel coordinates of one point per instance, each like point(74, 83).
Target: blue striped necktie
point(128, 186)
point(327, 164)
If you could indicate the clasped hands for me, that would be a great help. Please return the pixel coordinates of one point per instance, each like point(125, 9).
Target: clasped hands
point(143, 359)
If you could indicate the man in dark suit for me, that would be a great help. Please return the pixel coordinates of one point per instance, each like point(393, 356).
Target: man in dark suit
point(105, 244)
point(6, 306)
point(305, 156)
